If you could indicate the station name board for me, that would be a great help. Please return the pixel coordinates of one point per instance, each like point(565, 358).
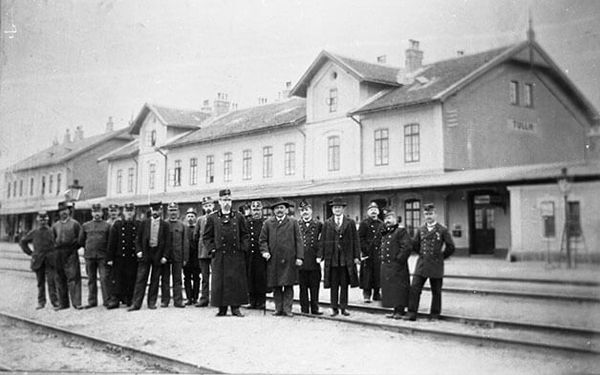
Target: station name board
point(522, 126)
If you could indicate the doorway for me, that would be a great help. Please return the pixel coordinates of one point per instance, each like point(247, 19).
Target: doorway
point(483, 224)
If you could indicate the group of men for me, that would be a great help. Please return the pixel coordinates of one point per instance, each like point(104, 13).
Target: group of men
point(249, 255)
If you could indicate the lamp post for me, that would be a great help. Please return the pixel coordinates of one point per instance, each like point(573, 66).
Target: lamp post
point(565, 187)
point(73, 193)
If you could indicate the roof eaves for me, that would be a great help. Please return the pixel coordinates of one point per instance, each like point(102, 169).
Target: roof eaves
point(156, 111)
point(108, 155)
point(373, 98)
point(395, 106)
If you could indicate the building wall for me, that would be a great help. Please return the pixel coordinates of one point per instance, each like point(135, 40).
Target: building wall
point(527, 224)
point(348, 91)
point(111, 182)
point(484, 135)
point(37, 201)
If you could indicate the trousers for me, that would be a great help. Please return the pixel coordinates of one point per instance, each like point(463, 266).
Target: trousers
point(45, 274)
point(191, 281)
point(175, 270)
point(205, 272)
point(310, 282)
point(416, 288)
point(283, 296)
point(68, 277)
point(96, 268)
point(145, 269)
point(339, 287)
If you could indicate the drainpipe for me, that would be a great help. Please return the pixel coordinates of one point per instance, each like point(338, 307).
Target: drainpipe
point(303, 153)
point(361, 143)
point(137, 170)
point(157, 149)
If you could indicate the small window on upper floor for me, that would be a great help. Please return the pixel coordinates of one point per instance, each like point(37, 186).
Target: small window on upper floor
point(528, 97)
point(514, 92)
point(332, 100)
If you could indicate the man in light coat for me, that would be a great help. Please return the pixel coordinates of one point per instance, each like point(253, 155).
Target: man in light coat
point(204, 257)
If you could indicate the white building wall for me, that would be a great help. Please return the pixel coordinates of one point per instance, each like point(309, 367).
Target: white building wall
point(114, 167)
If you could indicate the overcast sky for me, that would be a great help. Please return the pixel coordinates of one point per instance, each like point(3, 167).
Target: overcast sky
point(75, 62)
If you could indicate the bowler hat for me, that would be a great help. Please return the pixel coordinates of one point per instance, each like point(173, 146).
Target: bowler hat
point(63, 205)
point(389, 213)
point(280, 202)
point(338, 201)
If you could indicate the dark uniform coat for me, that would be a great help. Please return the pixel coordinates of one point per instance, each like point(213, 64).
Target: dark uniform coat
point(179, 246)
point(228, 282)
point(346, 239)
point(284, 243)
point(143, 242)
point(369, 233)
point(428, 244)
point(311, 236)
point(257, 265)
point(121, 251)
point(395, 277)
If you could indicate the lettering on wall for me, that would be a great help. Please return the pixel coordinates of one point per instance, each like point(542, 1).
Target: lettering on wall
point(522, 126)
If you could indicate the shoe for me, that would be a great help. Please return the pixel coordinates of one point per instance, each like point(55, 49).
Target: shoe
point(152, 307)
point(78, 307)
point(288, 314)
point(164, 305)
point(251, 307)
point(189, 302)
point(397, 316)
point(410, 316)
point(201, 304)
point(345, 313)
point(179, 306)
point(316, 313)
point(335, 312)
point(278, 313)
point(90, 306)
point(58, 308)
point(222, 312)
point(237, 312)
point(376, 297)
point(434, 317)
point(111, 306)
point(134, 308)
point(390, 315)
point(40, 306)
point(304, 311)
point(260, 306)
point(367, 300)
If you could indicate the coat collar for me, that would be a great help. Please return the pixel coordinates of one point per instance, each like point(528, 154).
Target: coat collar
point(425, 232)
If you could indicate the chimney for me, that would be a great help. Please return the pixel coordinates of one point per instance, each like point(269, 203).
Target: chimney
point(262, 100)
point(285, 93)
point(460, 52)
point(206, 108)
point(234, 106)
point(382, 59)
point(221, 105)
point(110, 126)
point(78, 134)
point(414, 57)
point(67, 138)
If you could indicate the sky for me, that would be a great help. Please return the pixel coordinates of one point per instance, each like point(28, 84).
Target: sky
point(75, 63)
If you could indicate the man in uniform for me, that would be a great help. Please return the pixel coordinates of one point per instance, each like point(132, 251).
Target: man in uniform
point(340, 248)
point(204, 257)
point(369, 233)
point(94, 239)
point(191, 271)
point(41, 259)
point(68, 274)
point(256, 264)
point(428, 243)
point(281, 245)
point(113, 213)
point(226, 237)
point(309, 275)
point(121, 257)
point(151, 252)
point(178, 250)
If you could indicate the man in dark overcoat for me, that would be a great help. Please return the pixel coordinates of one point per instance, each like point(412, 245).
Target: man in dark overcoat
point(340, 248)
point(204, 257)
point(369, 233)
point(256, 264)
point(226, 237)
point(178, 251)
point(309, 275)
point(191, 271)
point(151, 252)
point(41, 259)
point(281, 245)
point(433, 243)
point(395, 276)
point(121, 257)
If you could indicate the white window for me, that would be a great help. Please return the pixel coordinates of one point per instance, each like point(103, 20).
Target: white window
point(381, 147)
point(290, 159)
point(267, 161)
point(412, 152)
point(227, 164)
point(333, 153)
point(247, 165)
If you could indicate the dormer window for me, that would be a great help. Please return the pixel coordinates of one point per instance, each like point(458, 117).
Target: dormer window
point(332, 100)
point(153, 138)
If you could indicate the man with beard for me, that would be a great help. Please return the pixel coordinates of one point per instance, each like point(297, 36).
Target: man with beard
point(121, 257)
point(281, 245)
point(191, 271)
point(68, 274)
point(178, 249)
point(113, 213)
point(309, 275)
point(204, 257)
point(42, 258)
point(256, 264)
point(433, 243)
point(226, 237)
point(94, 239)
point(369, 233)
point(151, 252)
point(395, 277)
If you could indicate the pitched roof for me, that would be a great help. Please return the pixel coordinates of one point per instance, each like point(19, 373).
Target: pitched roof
point(362, 70)
point(276, 115)
point(175, 117)
point(63, 152)
point(127, 150)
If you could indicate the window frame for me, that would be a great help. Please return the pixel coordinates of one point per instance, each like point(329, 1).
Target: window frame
point(58, 183)
point(528, 95)
point(247, 164)
point(210, 169)
point(333, 153)
point(31, 186)
point(289, 159)
point(514, 92)
point(151, 176)
point(267, 161)
point(177, 173)
point(412, 143)
point(381, 146)
point(119, 181)
point(332, 100)
point(130, 178)
point(227, 166)
point(193, 171)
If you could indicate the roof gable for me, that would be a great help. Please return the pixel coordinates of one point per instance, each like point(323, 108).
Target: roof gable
point(173, 117)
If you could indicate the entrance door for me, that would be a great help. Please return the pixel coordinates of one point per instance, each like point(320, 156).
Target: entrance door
point(484, 232)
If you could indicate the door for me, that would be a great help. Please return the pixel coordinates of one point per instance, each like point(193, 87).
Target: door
point(484, 232)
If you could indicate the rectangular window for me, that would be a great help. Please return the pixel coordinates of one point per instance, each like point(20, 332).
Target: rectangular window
point(43, 185)
point(9, 186)
point(333, 153)
point(14, 188)
point(290, 159)
point(227, 161)
point(210, 169)
point(247, 165)
point(411, 143)
point(332, 100)
point(31, 182)
point(130, 175)
point(381, 147)
point(528, 97)
point(50, 183)
point(267, 162)
point(574, 219)
point(548, 218)
point(58, 183)
point(193, 171)
point(119, 181)
point(514, 92)
point(412, 213)
point(490, 218)
point(20, 188)
point(152, 176)
point(177, 173)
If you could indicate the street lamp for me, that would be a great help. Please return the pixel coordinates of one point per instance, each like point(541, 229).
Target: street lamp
point(565, 187)
point(73, 193)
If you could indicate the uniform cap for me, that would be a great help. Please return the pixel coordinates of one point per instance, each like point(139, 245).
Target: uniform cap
point(224, 192)
point(428, 207)
point(304, 203)
point(191, 210)
point(129, 206)
point(206, 200)
point(113, 207)
point(64, 205)
point(389, 213)
point(172, 206)
point(96, 207)
point(372, 205)
point(256, 205)
point(156, 205)
point(42, 213)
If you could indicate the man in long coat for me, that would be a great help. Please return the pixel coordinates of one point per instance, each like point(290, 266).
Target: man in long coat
point(178, 250)
point(433, 243)
point(395, 277)
point(204, 257)
point(369, 232)
point(256, 264)
point(309, 275)
point(340, 248)
point(281, 245)
point(226, 237)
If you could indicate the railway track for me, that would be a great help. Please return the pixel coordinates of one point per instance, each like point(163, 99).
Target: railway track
point(160, 363)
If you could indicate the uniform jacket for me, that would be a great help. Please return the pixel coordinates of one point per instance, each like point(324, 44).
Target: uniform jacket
point(43, 243)
point(369, 233)
point(122, 239)
point(256, 265)
point(143, 241)
point(396, 246)
point(311, 239)
point(94, 239)
point(349, 245)
point(198, 236)
point(179, 244)
point(284, 243)
point(428, 244)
